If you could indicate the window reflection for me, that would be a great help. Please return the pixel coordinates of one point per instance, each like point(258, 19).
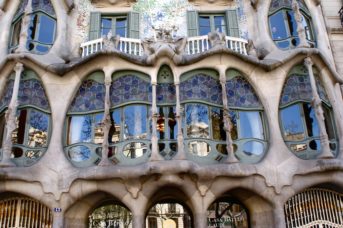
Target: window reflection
point(38, 129)
point(98, 129)
point(16, 33)
point(197, 121)
point(19, 133)
point(292, 123)
point(135, 150)
point(79, 153)
point(217, 118)
point(199, 148)
point(135, 122)
point(311, 120)
point(80, 129)
point(115, 129)
point(250, 125)
point(277, 25)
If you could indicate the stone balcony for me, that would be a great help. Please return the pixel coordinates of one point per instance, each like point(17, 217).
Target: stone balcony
point(192, 45)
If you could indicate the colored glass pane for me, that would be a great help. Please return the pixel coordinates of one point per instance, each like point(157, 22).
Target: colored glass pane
point(90, 97)
point(130, 88)
point(201, 87)
point(7, 95)
point(166, 93)
point(31, 92)
point(241, 94)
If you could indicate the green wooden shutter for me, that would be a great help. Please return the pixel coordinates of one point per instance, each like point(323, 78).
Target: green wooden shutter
point(94, 26)
point(232, 23)
point(192, 23)
point(133, 25)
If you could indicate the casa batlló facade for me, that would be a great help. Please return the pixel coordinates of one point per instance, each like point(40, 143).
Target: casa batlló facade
point(199, 113)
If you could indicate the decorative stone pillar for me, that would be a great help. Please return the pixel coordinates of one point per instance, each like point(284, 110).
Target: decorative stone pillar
point(25, 27)
point(200, 220)
point(106, 121)
point(181, 154)
point(300, 28)
point(231, 158)
point(279, 214)
point(58, 220)
point(317, 105)
point(11, 118)
point(155, 156)
point(138, 220)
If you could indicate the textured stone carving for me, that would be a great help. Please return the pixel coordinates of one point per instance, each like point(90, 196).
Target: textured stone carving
point(300, 29)
point(217, 39)
point(254, 3)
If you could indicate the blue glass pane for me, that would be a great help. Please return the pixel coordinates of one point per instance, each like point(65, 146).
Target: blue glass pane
point(204, 25)
point(38, 129)
point(220, 24)
point(197, 121)
point(311, 120)
point(166, 93)
point(106, 26)
point(121, 22)
point(135, 123)
point(80, 129)
point(46, 30)
point(121, 32)
point(201, 87)
point(241, 94)
point(283, 44)
point(253, 148)
point(130, 88)
point(90, 97)
point(42, 49)
point(31, 92)
point(297, 87)
point(292, 23)
point(79, 153)
point(115, 129)
point(250, 125)
point(277, 26)
point(291, 121)
point(6, 95)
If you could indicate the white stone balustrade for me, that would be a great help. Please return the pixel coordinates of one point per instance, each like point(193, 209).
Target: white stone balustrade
point(195, 45)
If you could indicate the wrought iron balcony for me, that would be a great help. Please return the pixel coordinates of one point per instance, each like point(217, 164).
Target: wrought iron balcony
point(195, 45)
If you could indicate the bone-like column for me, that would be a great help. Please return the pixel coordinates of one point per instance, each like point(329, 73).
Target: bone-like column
point(181, 154)
point(317, 105)
point(231, 158)
point(25, 27)
point(300, 28)
point(11, 118)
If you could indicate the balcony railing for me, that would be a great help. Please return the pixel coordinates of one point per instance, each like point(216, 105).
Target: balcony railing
point(195, 45)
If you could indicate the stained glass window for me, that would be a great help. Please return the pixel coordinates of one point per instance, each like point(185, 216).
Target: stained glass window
point(297, 116)
point(129, 88)
point(201, 87)
point(31, 92)
point(89, 97)
point(246, 119)
point(241, 94)
point(6, 95)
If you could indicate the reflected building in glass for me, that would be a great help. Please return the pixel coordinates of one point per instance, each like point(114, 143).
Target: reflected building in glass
point(172, 113)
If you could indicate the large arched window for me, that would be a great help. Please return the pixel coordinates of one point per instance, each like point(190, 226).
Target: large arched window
point(31, 137)
point(283, 26)
point(297, 116)
point(166, 121)
point(314, 207)
point(41, 30)
point(201, 97)
point(84, 122)
point(248, 130)
point(130, 131)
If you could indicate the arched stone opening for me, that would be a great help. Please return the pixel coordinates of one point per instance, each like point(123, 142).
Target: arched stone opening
point(317, 206)
point(258, 210)
point(96, 209)
point(169, 207)
point(18, 210)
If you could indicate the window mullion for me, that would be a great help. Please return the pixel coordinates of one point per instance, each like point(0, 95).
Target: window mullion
point(212, 24)
point(113, 26)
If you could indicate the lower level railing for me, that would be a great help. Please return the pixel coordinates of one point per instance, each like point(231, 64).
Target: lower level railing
point(195, 45)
